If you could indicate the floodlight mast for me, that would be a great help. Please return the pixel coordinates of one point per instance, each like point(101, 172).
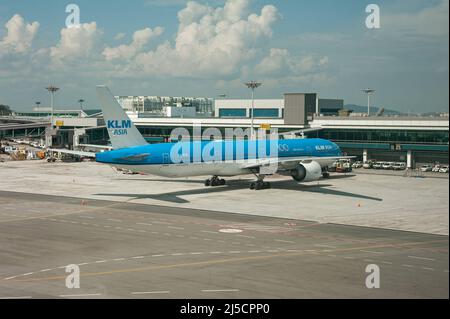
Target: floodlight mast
point(369, 92)
point(52, 89)
point(252, 85)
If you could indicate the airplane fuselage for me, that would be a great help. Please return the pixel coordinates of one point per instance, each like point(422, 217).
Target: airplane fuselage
point(220, 158)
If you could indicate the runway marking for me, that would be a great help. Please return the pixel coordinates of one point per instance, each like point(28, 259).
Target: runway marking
point(245, 236)
point(119, 259)
point(80, 295)
point(371, 252)
point(20, 297)
point(209, 232)
point(428, 268)
point(323, 245)
point(422, 258)
point(220, 290)
point(217, 261)
point(386, 262)
point(284, 241)
point(43, 270)
point(150, 292)
point(114, 220)
point(177, 254)
point(138, 257)
point(100, 261)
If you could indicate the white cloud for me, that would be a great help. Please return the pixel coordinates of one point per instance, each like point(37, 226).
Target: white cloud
point(281, 63)
point(120, 36)
point(210, 41)
point(140, 39)
point(430, 21)
point(19, 36)
point(76, 42)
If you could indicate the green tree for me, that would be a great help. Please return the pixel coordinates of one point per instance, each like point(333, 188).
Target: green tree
point(5, 110)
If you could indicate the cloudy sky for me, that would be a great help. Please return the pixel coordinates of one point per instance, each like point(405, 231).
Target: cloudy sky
point(206, 48)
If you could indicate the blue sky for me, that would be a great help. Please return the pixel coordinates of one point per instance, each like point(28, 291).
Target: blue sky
point(206, 48)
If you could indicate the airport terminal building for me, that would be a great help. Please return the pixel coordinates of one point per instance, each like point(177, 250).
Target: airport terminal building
point(414, 140)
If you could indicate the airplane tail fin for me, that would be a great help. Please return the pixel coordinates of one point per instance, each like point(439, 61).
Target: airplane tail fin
point(122, 132)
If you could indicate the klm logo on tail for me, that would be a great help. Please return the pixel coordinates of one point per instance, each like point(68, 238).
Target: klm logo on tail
point(119, 127)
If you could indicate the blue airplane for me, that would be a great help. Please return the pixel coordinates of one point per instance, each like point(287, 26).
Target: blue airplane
point(305, 160)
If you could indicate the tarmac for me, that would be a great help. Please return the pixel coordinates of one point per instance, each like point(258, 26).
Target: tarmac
point(138, 236)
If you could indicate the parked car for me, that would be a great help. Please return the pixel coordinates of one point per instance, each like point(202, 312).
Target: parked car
point(436, 168)
point(368, 164)
point(399, 166)
point(388, 165)
point(357, 164)
point(426, 168)
point(377, 165)
point(443, 169)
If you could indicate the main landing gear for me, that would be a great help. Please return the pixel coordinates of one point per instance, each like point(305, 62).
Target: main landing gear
point(260, 184)
point(214, 181)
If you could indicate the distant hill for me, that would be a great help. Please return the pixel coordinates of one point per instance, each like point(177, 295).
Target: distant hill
point(373, 109)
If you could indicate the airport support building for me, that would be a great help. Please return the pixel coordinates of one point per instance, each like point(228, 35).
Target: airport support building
point(411, 139)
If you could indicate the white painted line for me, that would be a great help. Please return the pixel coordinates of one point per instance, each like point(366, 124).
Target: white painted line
point(138, 257)
point(80, 295)
point(216, 252)
point(285, 241)
point(198, 253)
point(220, 290)
point(12, 277)
point(119, 259)
point(175, 227)
point(82, 264)
point(48, 269)
point(422, 258)
point(428, 268)
point(150, 292)
point(100, 261)
point(21, 297)
point(27, 274)
point(273, 250)
point(386, 262)
point(323, 245)
point(254, 251)
point(157, 255)
point(409, 266)
point(209, 232)
point(245, 236)
point(177, 254)
point(371, 252)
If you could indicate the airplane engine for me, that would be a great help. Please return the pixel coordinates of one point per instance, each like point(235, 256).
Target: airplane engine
point(307, 172)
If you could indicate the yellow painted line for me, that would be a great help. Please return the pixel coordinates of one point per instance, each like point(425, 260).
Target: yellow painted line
point(203, 263)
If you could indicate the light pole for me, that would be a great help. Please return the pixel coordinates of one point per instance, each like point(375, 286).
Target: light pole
point(252, 85)
point(81, 101)
point(52, 89)
point(369, 92)
point(38, 104)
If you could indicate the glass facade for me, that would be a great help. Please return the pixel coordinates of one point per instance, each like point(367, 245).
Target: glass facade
point(233, 112)
point(274, 113)
point(155, 104)
point(385, 136)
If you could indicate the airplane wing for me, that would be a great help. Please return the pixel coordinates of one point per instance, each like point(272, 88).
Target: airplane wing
point(290, 161)
point(76, 153)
